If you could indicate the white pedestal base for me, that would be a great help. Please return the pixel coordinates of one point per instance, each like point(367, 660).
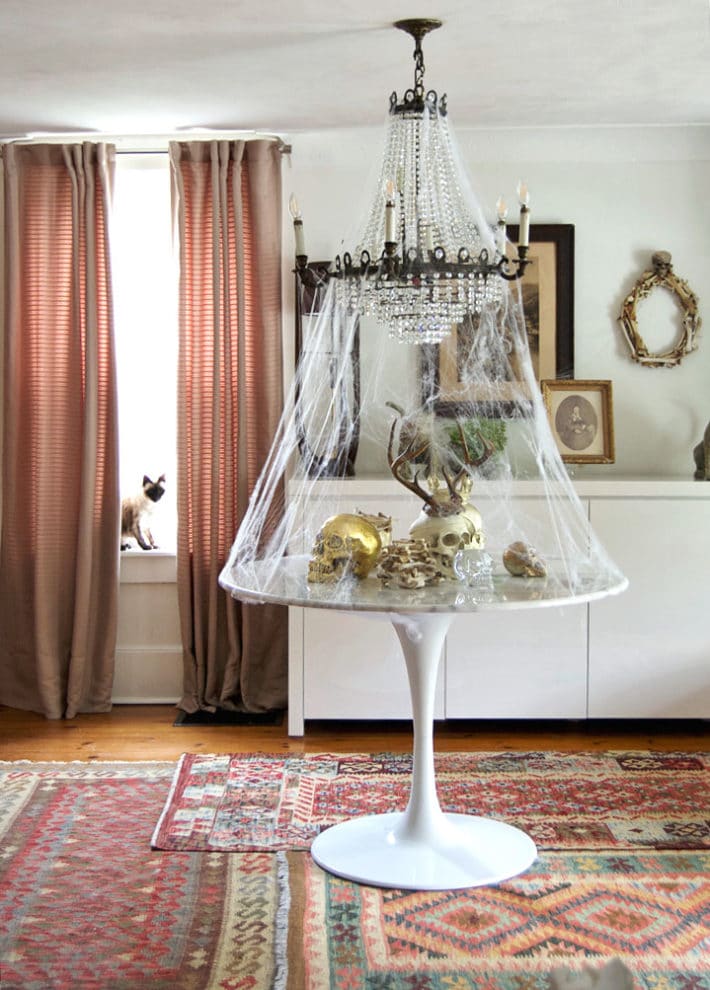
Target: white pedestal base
point(463, 851)
point(422, 848)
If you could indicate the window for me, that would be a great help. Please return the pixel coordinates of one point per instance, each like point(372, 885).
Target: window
point(145, 291)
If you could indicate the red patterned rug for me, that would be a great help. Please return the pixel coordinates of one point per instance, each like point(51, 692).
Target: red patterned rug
point(613, 800)
point(86, 904)
point(648, 909)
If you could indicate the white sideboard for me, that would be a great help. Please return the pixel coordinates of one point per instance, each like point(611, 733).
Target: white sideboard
point(642, 654)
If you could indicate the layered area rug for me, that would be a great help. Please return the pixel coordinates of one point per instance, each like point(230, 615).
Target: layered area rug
point(86, 903)
point(562, 800)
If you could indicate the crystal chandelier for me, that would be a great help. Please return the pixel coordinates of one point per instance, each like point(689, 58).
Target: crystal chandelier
point(424, 261)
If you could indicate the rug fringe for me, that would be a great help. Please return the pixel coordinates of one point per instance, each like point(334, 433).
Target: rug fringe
point(85, 763)
point(171, 792)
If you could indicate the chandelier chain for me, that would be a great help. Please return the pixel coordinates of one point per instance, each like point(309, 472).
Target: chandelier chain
point(418, 69)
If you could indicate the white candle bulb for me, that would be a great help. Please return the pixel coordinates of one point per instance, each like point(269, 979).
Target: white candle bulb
point(389, 212)
point(295, 211)
point(501, 233)
point(524, 197)
point(293, 208)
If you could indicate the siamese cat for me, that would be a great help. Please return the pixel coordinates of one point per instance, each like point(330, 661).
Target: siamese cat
point(136, 511)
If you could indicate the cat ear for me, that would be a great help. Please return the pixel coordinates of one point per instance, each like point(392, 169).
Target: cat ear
point(161, 478)
point(146, 480)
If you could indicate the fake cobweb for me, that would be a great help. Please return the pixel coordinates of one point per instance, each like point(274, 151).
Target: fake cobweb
point(462, 417)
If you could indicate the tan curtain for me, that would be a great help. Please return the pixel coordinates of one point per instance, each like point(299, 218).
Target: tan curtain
point(228, 207)
point(60, 519)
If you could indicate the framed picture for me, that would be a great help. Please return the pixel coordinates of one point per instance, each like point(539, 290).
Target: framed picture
point(547, 290)
point(310, 291)
point(582, 420)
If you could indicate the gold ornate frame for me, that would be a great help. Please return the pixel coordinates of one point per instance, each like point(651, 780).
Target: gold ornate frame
point(664, 276)
point(581, 418)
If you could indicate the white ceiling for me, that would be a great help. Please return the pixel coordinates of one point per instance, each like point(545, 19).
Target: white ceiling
point(158, 66)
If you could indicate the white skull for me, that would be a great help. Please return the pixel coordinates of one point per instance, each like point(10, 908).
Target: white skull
point(478, 539)
point(445, 536)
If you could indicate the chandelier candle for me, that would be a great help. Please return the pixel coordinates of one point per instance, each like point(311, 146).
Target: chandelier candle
point(389, 213)
point(502, 211)
point(297, 218)
point(524, 197)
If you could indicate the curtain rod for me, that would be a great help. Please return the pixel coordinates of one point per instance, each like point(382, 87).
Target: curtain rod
point(150, 140)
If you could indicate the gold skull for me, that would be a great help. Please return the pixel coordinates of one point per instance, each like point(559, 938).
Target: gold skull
point(345, 544)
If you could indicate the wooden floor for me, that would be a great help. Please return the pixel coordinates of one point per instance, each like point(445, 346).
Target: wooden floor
point(147, 732)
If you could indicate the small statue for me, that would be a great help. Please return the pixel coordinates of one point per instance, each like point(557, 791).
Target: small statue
point(522, 560)
point(701, 455)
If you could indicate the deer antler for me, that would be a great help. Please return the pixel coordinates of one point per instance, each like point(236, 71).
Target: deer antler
point(407, 456)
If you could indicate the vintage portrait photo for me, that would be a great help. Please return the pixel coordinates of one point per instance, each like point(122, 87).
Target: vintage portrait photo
point(580, 414)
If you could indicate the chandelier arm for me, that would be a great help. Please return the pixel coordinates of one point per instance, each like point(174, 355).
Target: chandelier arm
point(505, 268)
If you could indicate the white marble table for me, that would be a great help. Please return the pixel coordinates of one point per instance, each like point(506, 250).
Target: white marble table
point(420, 848)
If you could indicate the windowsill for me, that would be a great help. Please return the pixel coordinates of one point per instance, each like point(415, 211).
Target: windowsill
point(148, 567)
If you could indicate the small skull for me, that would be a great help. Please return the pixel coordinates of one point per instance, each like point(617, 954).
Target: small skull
point(345, 544)
point(521, 560)
point(478, 537)
point(445, 536)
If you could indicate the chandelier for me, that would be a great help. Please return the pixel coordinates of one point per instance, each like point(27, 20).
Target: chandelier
point(426, 259)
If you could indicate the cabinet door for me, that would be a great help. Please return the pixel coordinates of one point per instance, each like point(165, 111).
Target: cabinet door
point(650, 646)
point(354, 668)
point(523, 663)
point(529, 663)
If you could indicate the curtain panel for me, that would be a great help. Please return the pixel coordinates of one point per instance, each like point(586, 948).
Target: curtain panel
point(227, 201)
point(60, 502)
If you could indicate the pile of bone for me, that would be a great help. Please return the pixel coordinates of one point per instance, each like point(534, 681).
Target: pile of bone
point(408, 564)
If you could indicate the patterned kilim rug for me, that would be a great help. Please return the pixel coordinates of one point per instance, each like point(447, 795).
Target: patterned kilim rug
point(563, 801)
point(85, 903)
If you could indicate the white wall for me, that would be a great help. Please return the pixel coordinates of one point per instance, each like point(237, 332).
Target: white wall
point(628, 191)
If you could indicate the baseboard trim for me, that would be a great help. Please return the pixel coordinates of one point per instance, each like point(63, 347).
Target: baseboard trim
point(130, 700)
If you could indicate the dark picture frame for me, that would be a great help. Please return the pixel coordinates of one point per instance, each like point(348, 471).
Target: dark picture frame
point(311, 284)
point(547, 289)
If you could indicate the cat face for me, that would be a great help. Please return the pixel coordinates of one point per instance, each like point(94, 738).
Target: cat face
point(154, 490)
